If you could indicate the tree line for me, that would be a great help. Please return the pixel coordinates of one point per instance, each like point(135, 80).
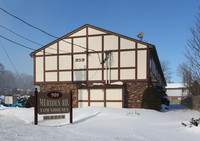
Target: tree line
point(13, 82)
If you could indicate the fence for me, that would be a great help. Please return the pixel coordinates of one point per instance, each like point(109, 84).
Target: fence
point(192, 102)
point(196, 102)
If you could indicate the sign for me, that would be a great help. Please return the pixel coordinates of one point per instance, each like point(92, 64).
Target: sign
point(54, 117)
point(53, 103)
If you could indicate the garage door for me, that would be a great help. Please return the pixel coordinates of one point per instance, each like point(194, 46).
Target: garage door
point(100, 97)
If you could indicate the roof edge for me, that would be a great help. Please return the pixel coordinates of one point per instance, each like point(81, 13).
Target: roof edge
point(94, 27)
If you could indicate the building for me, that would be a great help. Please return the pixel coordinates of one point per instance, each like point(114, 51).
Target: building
point(102, 68)
point(176, 92)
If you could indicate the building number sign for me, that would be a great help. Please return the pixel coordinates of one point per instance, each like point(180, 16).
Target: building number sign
point(80, 60)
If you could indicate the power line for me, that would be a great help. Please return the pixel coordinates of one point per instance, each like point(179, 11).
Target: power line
point(12, 63)
point(45, 32)
point(17, 43)
point(28, 39)
point(24, 45)
point(21, 36)
point(9, 57)
point(27, 23)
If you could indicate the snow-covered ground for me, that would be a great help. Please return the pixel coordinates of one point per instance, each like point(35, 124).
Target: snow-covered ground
point(101, 124)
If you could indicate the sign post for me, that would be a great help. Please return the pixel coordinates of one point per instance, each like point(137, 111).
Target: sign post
point(35, 107)
point(71, 110)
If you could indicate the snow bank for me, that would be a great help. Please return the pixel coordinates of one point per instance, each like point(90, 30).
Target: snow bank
point(100, 124)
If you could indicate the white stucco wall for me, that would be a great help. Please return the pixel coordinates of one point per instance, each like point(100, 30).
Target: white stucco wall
point(40, 52)
point(39, 68)
point(65, 62)
point(79, 61)
point(51, 63)
point(142, 64)
point(51, 76)
point(65, 76)
point(126, 44)
point(95, 75)
point(94, 61)
point(127, 58)
point(141, 46)
point(79, 75)
point(51, 49)
point(81, 42)
point(79, 33)
point(110, 42)
point(127, 74)
point(92, 31)
point(65, 46)
point(95, 43)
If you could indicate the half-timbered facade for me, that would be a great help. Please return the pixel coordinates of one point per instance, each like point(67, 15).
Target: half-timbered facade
point(102, 68)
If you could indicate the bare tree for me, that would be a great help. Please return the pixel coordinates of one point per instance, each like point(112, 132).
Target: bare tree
point(184, 71)
point(193, 49)
point(192, 86)
point(190, 71)
point(166, 70)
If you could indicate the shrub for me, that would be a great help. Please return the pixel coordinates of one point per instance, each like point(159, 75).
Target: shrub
point(193, 122)
point(30, 102)
point(151, 99)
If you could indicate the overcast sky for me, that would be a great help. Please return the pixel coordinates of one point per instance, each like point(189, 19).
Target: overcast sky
point(164, 23)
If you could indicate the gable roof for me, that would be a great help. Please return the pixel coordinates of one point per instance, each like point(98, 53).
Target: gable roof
point(93, 27)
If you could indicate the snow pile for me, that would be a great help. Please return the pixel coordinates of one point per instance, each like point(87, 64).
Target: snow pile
point(101, 124)
point(175, 85)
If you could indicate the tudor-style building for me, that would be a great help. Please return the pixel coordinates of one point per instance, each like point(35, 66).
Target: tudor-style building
point(102, 68)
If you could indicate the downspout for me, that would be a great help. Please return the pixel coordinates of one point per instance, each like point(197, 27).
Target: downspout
point(148, 67)
point(106, 72)
point(110, 69)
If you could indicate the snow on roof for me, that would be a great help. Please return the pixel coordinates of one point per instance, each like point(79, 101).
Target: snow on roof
point(117, 83)
point(98, 84)
point(114, 83)
point(175, 85)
